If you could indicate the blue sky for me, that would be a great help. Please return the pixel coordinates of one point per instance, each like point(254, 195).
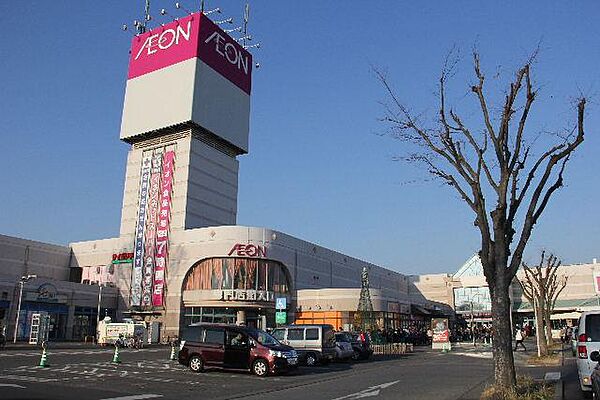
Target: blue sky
point(317, 169)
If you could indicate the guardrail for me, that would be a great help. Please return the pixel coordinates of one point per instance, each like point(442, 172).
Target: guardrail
point(392, 348)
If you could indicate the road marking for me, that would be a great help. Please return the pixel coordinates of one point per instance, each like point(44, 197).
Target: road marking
point(14, 385)
point(370, 392)
point(552, 376)
point(135, 397)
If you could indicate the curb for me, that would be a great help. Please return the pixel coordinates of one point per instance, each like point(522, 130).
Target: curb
point(559, 390)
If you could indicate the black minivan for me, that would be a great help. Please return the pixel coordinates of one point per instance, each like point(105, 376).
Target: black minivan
point(234, 347)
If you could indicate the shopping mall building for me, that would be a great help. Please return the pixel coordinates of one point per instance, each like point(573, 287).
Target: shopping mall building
point(180, 257)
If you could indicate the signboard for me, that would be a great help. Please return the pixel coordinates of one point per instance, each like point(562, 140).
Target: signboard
point(122, 258)
point(246, 295)
point(280, 317)
point(190, 37)
point(248, 250)
point(162, 229)
point(597, 282)
point(441, 334)
point(280, 303)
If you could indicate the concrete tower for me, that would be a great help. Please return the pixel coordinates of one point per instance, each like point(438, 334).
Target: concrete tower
point(186, 116)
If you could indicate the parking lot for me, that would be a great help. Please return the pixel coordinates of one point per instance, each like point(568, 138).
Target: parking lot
point(148, 373)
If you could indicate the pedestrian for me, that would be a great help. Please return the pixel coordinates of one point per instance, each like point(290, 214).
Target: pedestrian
point(519, 338)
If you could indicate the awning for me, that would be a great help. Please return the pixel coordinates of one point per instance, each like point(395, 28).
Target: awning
point(416, 309)
point(567, 315)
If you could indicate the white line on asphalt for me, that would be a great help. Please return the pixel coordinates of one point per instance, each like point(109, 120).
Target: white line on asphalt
point(370, 392)
point(14, 385)
point(136, 397)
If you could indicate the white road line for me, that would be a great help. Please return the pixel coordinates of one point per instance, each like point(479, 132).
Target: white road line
point(135, 397)
point(14, 385)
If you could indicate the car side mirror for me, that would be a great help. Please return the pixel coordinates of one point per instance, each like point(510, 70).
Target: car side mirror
point(595, 356)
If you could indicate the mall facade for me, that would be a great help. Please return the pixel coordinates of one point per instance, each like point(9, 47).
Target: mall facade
point(180, 258)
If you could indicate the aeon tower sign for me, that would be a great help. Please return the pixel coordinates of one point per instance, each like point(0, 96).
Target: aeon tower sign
point(186, 110)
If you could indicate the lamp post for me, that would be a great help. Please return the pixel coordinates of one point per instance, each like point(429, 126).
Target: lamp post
point(98, 313)
point(24, 278)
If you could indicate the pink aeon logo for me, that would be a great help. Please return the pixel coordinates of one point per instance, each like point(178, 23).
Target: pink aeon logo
point(193, 36)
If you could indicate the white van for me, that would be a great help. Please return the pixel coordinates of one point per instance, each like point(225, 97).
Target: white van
point(314, 343)
point(588, 340)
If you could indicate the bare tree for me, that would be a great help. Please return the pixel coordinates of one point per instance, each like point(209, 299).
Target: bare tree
point(541, 286)
point(496, 174)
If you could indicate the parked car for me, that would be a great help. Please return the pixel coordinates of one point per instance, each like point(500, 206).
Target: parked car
point(343, 346)
point(588, 341)
point(361, 346)
point(234, 347)
point(314, 343)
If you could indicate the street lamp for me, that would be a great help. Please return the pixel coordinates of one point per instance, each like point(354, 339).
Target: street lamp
point(24, 278)
point(98, 312)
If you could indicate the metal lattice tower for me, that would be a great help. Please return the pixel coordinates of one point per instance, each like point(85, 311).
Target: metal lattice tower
point(365, 306)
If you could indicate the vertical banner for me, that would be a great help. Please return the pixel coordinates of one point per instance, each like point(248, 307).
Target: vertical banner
point(597, 282)
point(441, 334)
point(150, 236)
point(138, 257)
point(162, 229)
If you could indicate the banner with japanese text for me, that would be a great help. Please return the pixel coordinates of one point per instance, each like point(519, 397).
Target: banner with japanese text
point(150, 236)
point(162, 229)
point(138, 256)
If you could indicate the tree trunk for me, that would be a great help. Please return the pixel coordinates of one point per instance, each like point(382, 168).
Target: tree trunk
point(504, 367)
point(548, 323)
point(540, 336)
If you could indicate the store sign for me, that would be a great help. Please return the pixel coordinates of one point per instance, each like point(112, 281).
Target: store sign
point(45, 293)
point(122, 258)
point(246, 295)
point(194, 36)
point(248, 250)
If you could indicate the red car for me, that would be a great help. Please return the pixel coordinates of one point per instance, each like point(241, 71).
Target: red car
point(222, 346)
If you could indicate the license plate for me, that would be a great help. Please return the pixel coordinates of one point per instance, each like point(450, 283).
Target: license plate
point(292, 361)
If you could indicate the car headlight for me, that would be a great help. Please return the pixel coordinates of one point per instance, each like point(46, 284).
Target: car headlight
point(275, 353)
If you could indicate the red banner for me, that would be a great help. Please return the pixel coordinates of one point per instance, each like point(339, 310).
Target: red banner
point(149, 248)
point(162, 229)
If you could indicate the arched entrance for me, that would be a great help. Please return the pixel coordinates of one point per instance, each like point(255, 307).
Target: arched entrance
point(234, 290)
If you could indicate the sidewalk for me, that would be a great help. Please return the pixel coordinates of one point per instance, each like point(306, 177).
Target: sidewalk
point(522, 366)
point(60, 345)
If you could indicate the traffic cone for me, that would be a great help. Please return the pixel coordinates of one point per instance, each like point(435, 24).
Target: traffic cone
point(44, 359)
point(173, 356)
point(116, 359)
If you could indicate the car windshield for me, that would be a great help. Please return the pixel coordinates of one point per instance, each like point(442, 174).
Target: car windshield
point(263, 337)
point(342, 337)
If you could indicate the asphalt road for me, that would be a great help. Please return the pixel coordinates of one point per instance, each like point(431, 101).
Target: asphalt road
point(147, 373)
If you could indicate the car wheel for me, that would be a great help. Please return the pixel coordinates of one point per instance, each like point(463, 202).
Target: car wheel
point(196, 364)
point(311, 359)
point(356, 355)
point(260, 367)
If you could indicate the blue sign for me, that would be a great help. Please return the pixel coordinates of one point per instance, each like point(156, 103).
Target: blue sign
point(280, 303)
